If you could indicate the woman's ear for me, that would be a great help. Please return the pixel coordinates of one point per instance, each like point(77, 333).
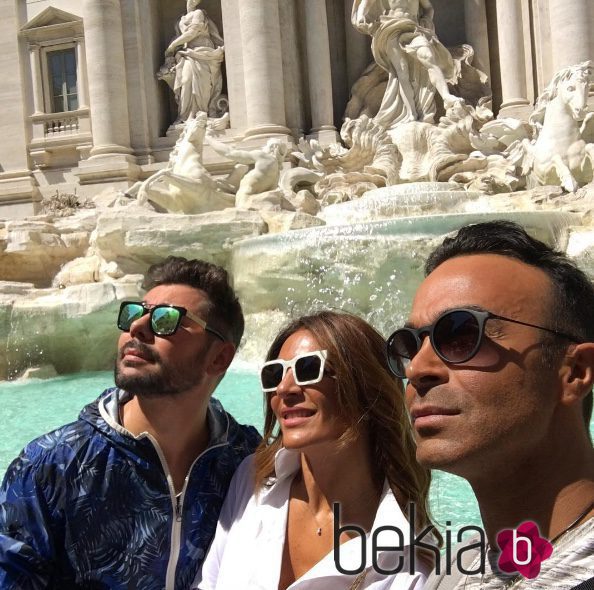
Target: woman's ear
point(577, 373)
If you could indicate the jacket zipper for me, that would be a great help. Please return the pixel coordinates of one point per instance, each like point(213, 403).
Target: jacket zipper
point(177, 505)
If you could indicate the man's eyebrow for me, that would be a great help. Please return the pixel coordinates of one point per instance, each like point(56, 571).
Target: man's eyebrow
point(435, 316)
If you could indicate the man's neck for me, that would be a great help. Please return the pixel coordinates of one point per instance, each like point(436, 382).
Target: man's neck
point(552, 489)
point(179, 425)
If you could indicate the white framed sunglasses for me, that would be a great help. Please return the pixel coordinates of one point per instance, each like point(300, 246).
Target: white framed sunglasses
point(308, 368)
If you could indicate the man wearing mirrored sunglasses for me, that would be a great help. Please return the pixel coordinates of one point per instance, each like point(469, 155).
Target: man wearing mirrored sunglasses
point(129, 495)
point(499, 357)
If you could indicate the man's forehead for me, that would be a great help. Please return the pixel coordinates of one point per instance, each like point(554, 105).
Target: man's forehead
point(177, 294)
point(487, 281)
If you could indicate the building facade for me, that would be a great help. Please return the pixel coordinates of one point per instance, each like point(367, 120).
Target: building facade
point(83, 108)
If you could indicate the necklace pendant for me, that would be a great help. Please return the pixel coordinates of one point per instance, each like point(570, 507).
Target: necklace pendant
point(319, 531)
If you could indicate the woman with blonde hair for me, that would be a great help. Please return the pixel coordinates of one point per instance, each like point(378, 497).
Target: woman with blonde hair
point(336, 464)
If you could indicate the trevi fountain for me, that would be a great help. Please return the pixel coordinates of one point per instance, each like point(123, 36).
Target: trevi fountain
point(340, 217)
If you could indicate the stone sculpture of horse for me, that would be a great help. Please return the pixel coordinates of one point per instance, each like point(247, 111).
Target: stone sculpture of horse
point(184, 185)
point(560, 152)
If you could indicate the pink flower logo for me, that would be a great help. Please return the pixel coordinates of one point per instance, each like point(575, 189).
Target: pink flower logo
point(523, 550)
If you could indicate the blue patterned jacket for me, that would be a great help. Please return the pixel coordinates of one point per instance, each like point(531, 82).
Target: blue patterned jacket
point(89, 505)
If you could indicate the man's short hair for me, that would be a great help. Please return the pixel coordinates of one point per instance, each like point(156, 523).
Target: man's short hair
point(572, 302)
point(224, 309)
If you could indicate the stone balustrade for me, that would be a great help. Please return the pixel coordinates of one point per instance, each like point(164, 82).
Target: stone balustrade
point(62, 125)
point(63, 132)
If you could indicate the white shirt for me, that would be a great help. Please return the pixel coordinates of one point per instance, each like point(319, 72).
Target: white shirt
point(248, 545)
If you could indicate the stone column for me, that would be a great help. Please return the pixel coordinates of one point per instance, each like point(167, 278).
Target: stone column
point(81, 73)
point(358, 47)
point(572, 39)
point(107, 77)
point(263, 70)
point(234, 64)
point(475, 17)
point(38, 105)
point(512, 60)
point(111, 158)
point(319, 71)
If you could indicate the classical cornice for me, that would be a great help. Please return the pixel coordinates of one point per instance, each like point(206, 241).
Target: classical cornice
point(52, 24)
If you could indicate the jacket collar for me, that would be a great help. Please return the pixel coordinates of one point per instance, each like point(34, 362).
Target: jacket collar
point(108, 412)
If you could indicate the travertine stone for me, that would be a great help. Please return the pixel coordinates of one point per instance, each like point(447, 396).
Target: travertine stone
point(107, 77)
point(512, 59)
point(34, 251)
point(262, 66)
point(572, 32)
point(477, 35)
point(318, 61)
point(135, 242)
point(284, 221)
point(34, 51)
point(305, 202)
point(293, 75)
point(358, 49)
point(234, 60)
point(52, 327)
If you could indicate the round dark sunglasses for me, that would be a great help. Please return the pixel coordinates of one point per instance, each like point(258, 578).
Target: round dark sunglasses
point(455, 336)
point(164, 319)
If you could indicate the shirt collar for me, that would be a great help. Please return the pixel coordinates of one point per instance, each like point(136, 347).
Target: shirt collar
point(288, 461)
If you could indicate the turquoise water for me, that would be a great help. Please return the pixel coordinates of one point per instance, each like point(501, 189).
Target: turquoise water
point(31, 408)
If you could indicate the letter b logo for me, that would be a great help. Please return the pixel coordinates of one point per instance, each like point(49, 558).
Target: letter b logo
point(521, 549)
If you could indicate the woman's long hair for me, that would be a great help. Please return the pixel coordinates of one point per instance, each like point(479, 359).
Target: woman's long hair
point(371, 402)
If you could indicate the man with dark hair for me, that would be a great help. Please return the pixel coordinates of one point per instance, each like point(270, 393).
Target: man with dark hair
point(499, 357)
point(129, 495)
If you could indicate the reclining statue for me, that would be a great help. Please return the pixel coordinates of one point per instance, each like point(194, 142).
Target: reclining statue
point(256, 174)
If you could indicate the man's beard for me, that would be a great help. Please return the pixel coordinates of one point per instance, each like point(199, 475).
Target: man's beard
point(162, 382)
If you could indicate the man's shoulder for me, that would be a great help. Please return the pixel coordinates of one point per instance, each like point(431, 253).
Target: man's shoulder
point(61, 440)
point(243, 438)
point(57, 447)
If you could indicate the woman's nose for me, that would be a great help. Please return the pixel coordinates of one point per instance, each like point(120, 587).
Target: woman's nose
point(287, 386)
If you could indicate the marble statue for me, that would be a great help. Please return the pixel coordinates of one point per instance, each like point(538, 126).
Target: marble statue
point(256, 174)
point(369, 160)
point(192, 65)
point(560, 152)
point(184, 185)
point(405, 45)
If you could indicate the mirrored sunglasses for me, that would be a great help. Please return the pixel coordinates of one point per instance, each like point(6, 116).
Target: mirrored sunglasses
point(455, 336)
point(307, 368)
point(164, 319)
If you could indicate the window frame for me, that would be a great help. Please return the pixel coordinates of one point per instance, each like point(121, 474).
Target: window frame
point(46, 49)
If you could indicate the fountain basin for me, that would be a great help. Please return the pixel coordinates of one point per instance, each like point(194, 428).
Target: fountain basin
point(371, 269)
